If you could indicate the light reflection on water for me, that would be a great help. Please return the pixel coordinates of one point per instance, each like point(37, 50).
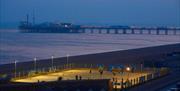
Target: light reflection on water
point(26, 46)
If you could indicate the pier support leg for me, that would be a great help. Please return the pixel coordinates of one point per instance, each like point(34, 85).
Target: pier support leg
point(108, 31)
point(132, 31)
point(92, 31)
point(149, 31)
point(174, 32)
point(124, 31)
point(166, 32)
point(116, 31)
point(157, 31)
point(83, 31)
point(100, 31)
point(141, 31)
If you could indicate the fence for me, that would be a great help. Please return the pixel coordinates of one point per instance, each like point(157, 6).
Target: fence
point(126, 84)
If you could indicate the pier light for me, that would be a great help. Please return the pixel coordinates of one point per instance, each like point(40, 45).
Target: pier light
point(35, 59)
point(66, 25)
point(52, 59)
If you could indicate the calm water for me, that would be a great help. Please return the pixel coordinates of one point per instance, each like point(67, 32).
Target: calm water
point(26, 46)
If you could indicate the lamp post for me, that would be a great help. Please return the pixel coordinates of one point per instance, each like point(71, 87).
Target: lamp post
point(15, 68)
point(141, 66)
point(52, 61)
point(128, 69)
point(35, 64)
point(67, 60)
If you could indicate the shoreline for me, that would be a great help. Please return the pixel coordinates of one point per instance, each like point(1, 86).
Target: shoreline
point(124, 57)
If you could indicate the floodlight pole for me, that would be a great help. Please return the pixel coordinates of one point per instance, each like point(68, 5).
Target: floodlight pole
point(15, 68)
point(35, 64)
point(52, 61)
point(67, 60)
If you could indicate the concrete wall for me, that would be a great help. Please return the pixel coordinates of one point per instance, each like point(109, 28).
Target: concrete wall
point(69, 85)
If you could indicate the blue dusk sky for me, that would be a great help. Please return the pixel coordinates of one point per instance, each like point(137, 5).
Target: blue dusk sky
point(111, 12)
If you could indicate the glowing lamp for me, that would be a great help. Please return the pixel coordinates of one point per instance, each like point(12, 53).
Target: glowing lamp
point(128, 68)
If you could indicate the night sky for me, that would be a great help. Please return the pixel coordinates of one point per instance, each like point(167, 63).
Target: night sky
point(112, 12)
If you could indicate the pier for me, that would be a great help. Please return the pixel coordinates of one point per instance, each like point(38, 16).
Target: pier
point(71, 28)
point(127, 30)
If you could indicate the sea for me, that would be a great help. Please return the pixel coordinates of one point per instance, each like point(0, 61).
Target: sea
point(27, 46)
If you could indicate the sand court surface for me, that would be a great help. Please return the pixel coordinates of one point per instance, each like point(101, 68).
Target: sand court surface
point(84, 73)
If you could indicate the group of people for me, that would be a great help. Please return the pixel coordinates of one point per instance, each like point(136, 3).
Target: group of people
point(78, 77)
